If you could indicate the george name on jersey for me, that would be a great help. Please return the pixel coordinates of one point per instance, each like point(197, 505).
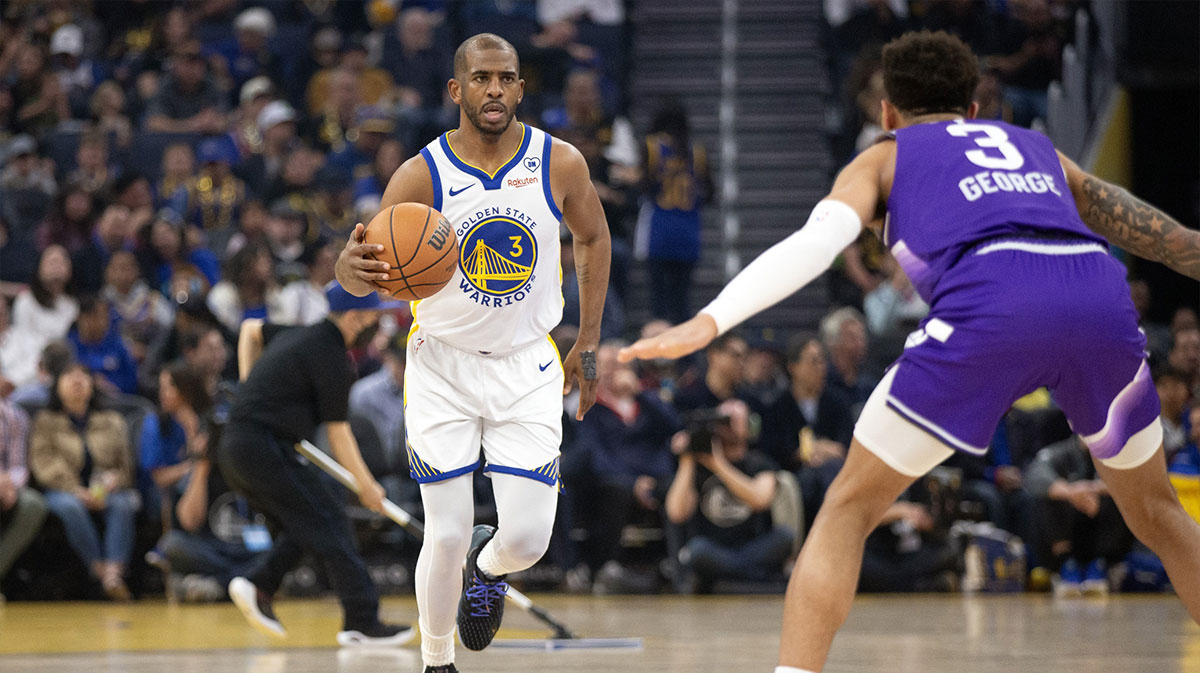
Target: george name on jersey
point(983, 183)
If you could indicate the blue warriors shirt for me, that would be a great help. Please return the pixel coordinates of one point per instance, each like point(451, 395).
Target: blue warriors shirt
point(507, 290)
point(961, 182)
point(669, 222)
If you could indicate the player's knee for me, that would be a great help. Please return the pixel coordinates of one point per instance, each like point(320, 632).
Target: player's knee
point(448, 542)
point(853, 509)
point(525, 545)
point(1150, 517)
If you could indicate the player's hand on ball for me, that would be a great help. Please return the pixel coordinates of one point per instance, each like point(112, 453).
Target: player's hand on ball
point(371, 496)
point(354, 271)
point(682, 339)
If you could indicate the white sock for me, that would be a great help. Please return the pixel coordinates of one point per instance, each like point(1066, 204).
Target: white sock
point(489, 562)
point(436, 650)
point(790, 669)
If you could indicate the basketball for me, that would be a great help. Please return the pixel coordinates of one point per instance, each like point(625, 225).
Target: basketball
point(419, 246)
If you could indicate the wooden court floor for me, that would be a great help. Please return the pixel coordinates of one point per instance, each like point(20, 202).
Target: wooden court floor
point(894, 634)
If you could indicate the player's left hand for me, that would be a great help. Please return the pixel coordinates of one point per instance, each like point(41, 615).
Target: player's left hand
point(573, 370)
point(682, 339)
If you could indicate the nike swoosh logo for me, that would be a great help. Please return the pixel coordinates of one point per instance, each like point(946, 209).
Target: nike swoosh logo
point(456, 192)
point(542, 368)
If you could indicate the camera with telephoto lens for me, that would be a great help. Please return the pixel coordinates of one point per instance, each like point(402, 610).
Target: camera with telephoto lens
point(701, 425)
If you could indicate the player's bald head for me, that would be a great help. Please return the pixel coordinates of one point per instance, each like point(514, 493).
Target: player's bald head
point(477, 43)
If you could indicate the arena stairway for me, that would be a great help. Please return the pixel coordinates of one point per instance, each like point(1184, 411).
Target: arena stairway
point(760, 63)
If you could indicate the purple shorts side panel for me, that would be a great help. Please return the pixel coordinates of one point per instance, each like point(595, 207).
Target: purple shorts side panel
point(1008, 322)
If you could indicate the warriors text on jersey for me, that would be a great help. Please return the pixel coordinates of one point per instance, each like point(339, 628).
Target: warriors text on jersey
point(507, 291)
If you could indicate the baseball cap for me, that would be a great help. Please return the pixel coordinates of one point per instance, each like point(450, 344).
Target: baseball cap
point(255, 87)
point(274, 113)
point(20, 145)
point(67, 39)
point(341, 300)
point(216, 149)
point(256, 19)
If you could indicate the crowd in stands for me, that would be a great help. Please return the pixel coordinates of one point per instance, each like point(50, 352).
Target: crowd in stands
point(171, 169)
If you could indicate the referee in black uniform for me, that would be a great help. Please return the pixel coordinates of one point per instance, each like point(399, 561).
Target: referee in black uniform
point(303, 379)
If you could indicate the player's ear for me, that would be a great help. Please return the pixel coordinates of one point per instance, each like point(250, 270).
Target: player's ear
point(972, 110)
point(520, 90)
point(455, 90)
point(889, 117)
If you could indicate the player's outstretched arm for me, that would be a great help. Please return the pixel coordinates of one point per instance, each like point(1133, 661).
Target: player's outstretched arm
point(1133, 224)
point(584, 216)
point(785, 267)
point(356, 273)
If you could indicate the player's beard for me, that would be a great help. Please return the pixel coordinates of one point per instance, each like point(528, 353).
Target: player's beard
point(475, 116)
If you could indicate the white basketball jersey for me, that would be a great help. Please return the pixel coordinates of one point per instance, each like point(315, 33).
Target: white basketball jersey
point(507, 290)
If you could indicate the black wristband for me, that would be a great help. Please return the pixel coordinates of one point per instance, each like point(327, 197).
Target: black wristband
point(587, 360)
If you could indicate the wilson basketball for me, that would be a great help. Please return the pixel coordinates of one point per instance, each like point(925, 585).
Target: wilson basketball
point(419, 246)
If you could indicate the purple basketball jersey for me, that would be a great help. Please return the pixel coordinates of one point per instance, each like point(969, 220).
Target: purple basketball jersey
point(961, 182)
point(1022, 295)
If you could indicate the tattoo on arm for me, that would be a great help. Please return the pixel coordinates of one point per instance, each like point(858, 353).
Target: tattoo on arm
point(1139, 227)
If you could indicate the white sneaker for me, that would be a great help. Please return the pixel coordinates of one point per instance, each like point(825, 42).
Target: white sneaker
point(255, 607)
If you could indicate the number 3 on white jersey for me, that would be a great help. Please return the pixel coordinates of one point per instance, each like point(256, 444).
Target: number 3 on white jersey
point(994, 138)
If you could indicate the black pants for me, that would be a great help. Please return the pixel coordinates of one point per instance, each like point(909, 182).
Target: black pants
point(885, 569)
point(603, 508)
point(670, 284)
point(304, 515)
point(1104, 536)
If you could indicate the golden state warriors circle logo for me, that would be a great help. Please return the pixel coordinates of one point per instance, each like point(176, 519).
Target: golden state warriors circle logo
point(497, 256)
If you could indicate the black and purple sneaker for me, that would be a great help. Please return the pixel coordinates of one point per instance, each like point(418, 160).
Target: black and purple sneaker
point(481, 607)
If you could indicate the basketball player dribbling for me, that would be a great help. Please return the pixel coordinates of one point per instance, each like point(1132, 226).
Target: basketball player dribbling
point(1005, 239)
point(481, 369)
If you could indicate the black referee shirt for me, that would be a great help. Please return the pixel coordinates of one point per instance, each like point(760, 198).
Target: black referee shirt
point(301, 380)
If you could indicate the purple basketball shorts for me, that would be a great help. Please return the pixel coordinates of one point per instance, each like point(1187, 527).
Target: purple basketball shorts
point(1015, 315)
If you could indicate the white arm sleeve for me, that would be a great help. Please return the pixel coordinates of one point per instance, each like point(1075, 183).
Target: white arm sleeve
point(788, 265)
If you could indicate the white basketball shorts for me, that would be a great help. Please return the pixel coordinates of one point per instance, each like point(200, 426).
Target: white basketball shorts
point(458, 404)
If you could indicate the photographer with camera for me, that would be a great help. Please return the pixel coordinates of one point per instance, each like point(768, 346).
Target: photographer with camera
point(720, 498)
